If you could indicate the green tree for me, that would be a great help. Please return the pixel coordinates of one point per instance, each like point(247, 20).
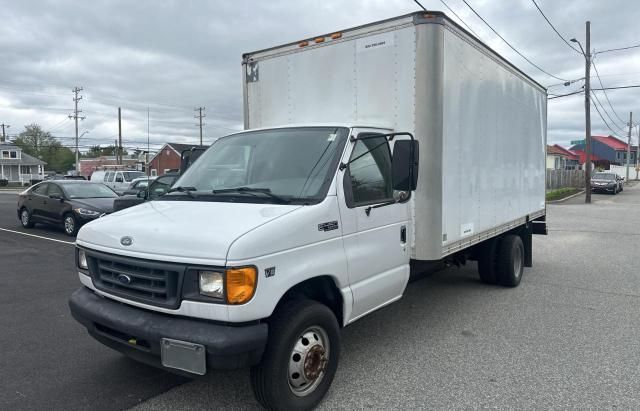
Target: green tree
point(98, 151)
point(41, 144)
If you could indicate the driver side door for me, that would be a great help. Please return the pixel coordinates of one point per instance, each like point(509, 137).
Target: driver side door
point(375, 228)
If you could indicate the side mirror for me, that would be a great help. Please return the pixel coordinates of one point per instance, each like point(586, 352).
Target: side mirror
point(405, 165)
point(142, 194)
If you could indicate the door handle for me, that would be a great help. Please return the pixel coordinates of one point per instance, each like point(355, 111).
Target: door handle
point(403, 234)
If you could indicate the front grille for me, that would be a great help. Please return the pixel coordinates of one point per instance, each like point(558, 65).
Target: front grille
point(140, 280)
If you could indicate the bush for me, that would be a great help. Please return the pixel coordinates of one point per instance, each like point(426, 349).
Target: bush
point(561, 193)
point(4, 182)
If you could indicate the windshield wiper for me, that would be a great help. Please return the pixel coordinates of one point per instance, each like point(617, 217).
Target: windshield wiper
point(186, 190)
point(251, 191)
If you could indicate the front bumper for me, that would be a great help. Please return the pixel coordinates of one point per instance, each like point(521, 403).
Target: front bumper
point(137, 332)
point(608, 189)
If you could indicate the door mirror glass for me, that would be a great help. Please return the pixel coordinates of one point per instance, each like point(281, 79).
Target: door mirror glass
point(142, 194)
point(405, 165)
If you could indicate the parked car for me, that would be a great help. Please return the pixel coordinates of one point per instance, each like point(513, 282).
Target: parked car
point(63, 177)
point(66, 203)
point(118, 180)
point(159, 187)
point(605, 182)
point(138, 184)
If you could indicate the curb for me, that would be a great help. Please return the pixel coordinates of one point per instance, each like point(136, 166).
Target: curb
point(566, 198)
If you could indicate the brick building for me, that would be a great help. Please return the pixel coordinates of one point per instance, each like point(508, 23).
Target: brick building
point(168, 158)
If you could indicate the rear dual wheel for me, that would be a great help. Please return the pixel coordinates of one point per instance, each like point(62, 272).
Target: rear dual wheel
point(501, 260)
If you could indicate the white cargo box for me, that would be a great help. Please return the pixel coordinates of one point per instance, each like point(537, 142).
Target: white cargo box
point(480, 121)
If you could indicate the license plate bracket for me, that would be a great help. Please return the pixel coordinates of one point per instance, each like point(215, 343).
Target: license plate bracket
point(184, 356)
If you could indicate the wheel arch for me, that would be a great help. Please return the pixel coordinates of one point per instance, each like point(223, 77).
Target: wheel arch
point(322, 289)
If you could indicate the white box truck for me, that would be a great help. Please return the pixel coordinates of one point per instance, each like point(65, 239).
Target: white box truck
point(369, 154)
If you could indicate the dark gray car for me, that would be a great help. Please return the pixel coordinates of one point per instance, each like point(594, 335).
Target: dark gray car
point(606, 182)
point(66, 203)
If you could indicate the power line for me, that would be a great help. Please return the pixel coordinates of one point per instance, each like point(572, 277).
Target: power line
point(554, 29)
point(509, 44)
point(554, 96)
point(617, 88)
point(605, 112)
point(602, 118)
point(455, 14)
point(618, 49)
point(593, 63)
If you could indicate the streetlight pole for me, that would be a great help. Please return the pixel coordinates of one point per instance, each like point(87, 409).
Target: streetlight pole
point(587, 111)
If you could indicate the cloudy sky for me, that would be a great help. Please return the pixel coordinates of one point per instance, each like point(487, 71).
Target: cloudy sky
point(173, 56)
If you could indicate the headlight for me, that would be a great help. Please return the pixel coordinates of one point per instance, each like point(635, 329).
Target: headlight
point(86, 212)
point(211, 284)
point(82, 260)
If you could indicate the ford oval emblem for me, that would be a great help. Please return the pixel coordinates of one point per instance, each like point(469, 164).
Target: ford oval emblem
point(126, 241)
point(124, 279)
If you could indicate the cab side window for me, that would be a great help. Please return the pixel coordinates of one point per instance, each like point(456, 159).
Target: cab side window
point(368, 178)
point(119, 177)
point(55, 190)
point(109, 177)
point(41, 189)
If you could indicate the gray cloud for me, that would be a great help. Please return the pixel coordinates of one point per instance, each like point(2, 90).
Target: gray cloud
point(172, 56)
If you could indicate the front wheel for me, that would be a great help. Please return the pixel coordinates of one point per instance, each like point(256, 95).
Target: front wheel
point(301, 357)
point(70, 225)
point(25, 218)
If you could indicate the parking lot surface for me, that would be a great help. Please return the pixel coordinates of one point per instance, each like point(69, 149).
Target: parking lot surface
point(567, 337)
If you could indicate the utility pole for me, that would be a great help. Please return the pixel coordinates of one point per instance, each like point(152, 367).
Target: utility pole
point(626, 179)
point(75, 116)
point(200, 116)
point(119, 155)
point(4, 137)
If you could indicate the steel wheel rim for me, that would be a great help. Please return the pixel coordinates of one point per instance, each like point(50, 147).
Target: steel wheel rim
point(69, 225)
point(24, 217)
point(517, 262)
point(307, 362)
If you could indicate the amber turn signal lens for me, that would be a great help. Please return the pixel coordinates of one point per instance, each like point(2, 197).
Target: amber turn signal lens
point(303, 44)
point(319, 40)
point(336, 36)
point(241, 284)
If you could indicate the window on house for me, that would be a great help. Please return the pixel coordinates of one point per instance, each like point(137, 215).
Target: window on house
point(13, 154)
point(154, 172)
point(25, 170)
point(5, 154)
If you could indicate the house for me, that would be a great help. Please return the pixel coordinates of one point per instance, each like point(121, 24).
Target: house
point(19, 167)
point(559, 158)
point(609, 149)
point(168, 158)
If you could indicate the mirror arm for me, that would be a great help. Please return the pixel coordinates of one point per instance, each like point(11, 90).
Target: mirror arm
point(388, 203)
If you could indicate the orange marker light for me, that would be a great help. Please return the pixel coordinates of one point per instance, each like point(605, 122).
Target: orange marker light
point(303, 44)
point(335, 36)
point(241, 284)
point(319, 40)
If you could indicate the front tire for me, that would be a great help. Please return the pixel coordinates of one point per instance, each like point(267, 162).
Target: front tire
point(510, 260)
point(301, 357)
point(25, 218)
point(70, 224)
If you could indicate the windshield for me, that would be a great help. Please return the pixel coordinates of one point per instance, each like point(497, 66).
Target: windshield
point(604, 176)
point(130, 175)
point(88, 190)
point(291, 164)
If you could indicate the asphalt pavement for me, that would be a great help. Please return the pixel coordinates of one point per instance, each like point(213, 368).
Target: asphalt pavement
point(567, 337)
point(47, 360)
